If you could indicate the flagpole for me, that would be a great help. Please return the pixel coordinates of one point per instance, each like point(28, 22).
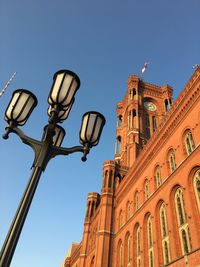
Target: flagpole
point(7, 84)
point(144, 69)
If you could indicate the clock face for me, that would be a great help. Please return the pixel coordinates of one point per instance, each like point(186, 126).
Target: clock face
point(150, 106)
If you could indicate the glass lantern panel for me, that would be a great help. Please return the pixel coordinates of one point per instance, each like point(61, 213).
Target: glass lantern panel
point(27, 107)
point(71, 89)
point(97, 130)
point(10, 108)
point(83, 128)
point(90, 128)
point(56, 87)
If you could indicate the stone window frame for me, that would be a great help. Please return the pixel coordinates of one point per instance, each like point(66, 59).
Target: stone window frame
point(164, 236)
point(197, 189)
point(183, 226)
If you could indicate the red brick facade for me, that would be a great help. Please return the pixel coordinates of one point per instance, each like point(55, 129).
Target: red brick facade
point(148, 213)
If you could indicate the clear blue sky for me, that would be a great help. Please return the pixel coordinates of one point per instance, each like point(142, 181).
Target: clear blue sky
point(103, 42)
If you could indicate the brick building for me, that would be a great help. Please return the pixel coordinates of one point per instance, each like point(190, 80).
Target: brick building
point(148, 212)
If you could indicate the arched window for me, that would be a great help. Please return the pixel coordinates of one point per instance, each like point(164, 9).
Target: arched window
point(120, 219)
point(132, 93)
point(110, 179)
point(172, 161)
point(92, 209)
point(136, 200)
point(120, 254)
point(189, 142)
point(184, 241)
point(182, 222)
point(150, 241)
point(128, 251)
point(119, 121)
point(88, 209)
point(105, 178)
point(167, 105)
point(147, 126)
point(138, 247)
point(196, 183)
point(158, 177)
point(154, 123)
point(128, 212)
point(164, 234)
point(118, 145)
point(129, 120)
point(146, 189)
point(134, 118)
point(180, 207)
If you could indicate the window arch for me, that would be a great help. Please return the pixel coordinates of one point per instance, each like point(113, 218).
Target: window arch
point(136, 201)
point(128, 251)
point(154, 124)
point(110, 179)
point(128, 210)
point(119, 121)
point(118, 145)
point(120, 254)
point(134, 118)
point(196, 183)
point(164, 234)
point(105, 178)
point(158, 176)
point(167, 105)
point(138, 246)
point(147, 126)
point(120, 219)
point(172, 160)
point(146, 189)
point(189, 142)
point(150, 241)
point(132, 93)
point(182, 222)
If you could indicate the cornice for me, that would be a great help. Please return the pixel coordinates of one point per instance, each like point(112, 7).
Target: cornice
point(189, 95)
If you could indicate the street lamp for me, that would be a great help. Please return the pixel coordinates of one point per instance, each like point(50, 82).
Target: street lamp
point(61, 99)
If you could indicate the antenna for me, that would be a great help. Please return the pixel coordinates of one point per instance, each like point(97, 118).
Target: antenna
point(7, 84)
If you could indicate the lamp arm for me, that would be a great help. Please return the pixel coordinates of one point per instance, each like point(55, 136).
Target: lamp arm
point(66, 151)
point(34, 144)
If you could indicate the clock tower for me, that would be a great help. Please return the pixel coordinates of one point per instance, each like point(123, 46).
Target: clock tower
point(138, 116)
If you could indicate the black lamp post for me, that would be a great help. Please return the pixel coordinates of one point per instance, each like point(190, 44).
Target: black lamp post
point(61, 99)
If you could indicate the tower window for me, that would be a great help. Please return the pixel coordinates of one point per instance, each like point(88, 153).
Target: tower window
point(118, 145)
point(154, 123)
point(132, 93)
point(147, 126)
point(110, 179)
point(167, 105)
point(119, 121)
